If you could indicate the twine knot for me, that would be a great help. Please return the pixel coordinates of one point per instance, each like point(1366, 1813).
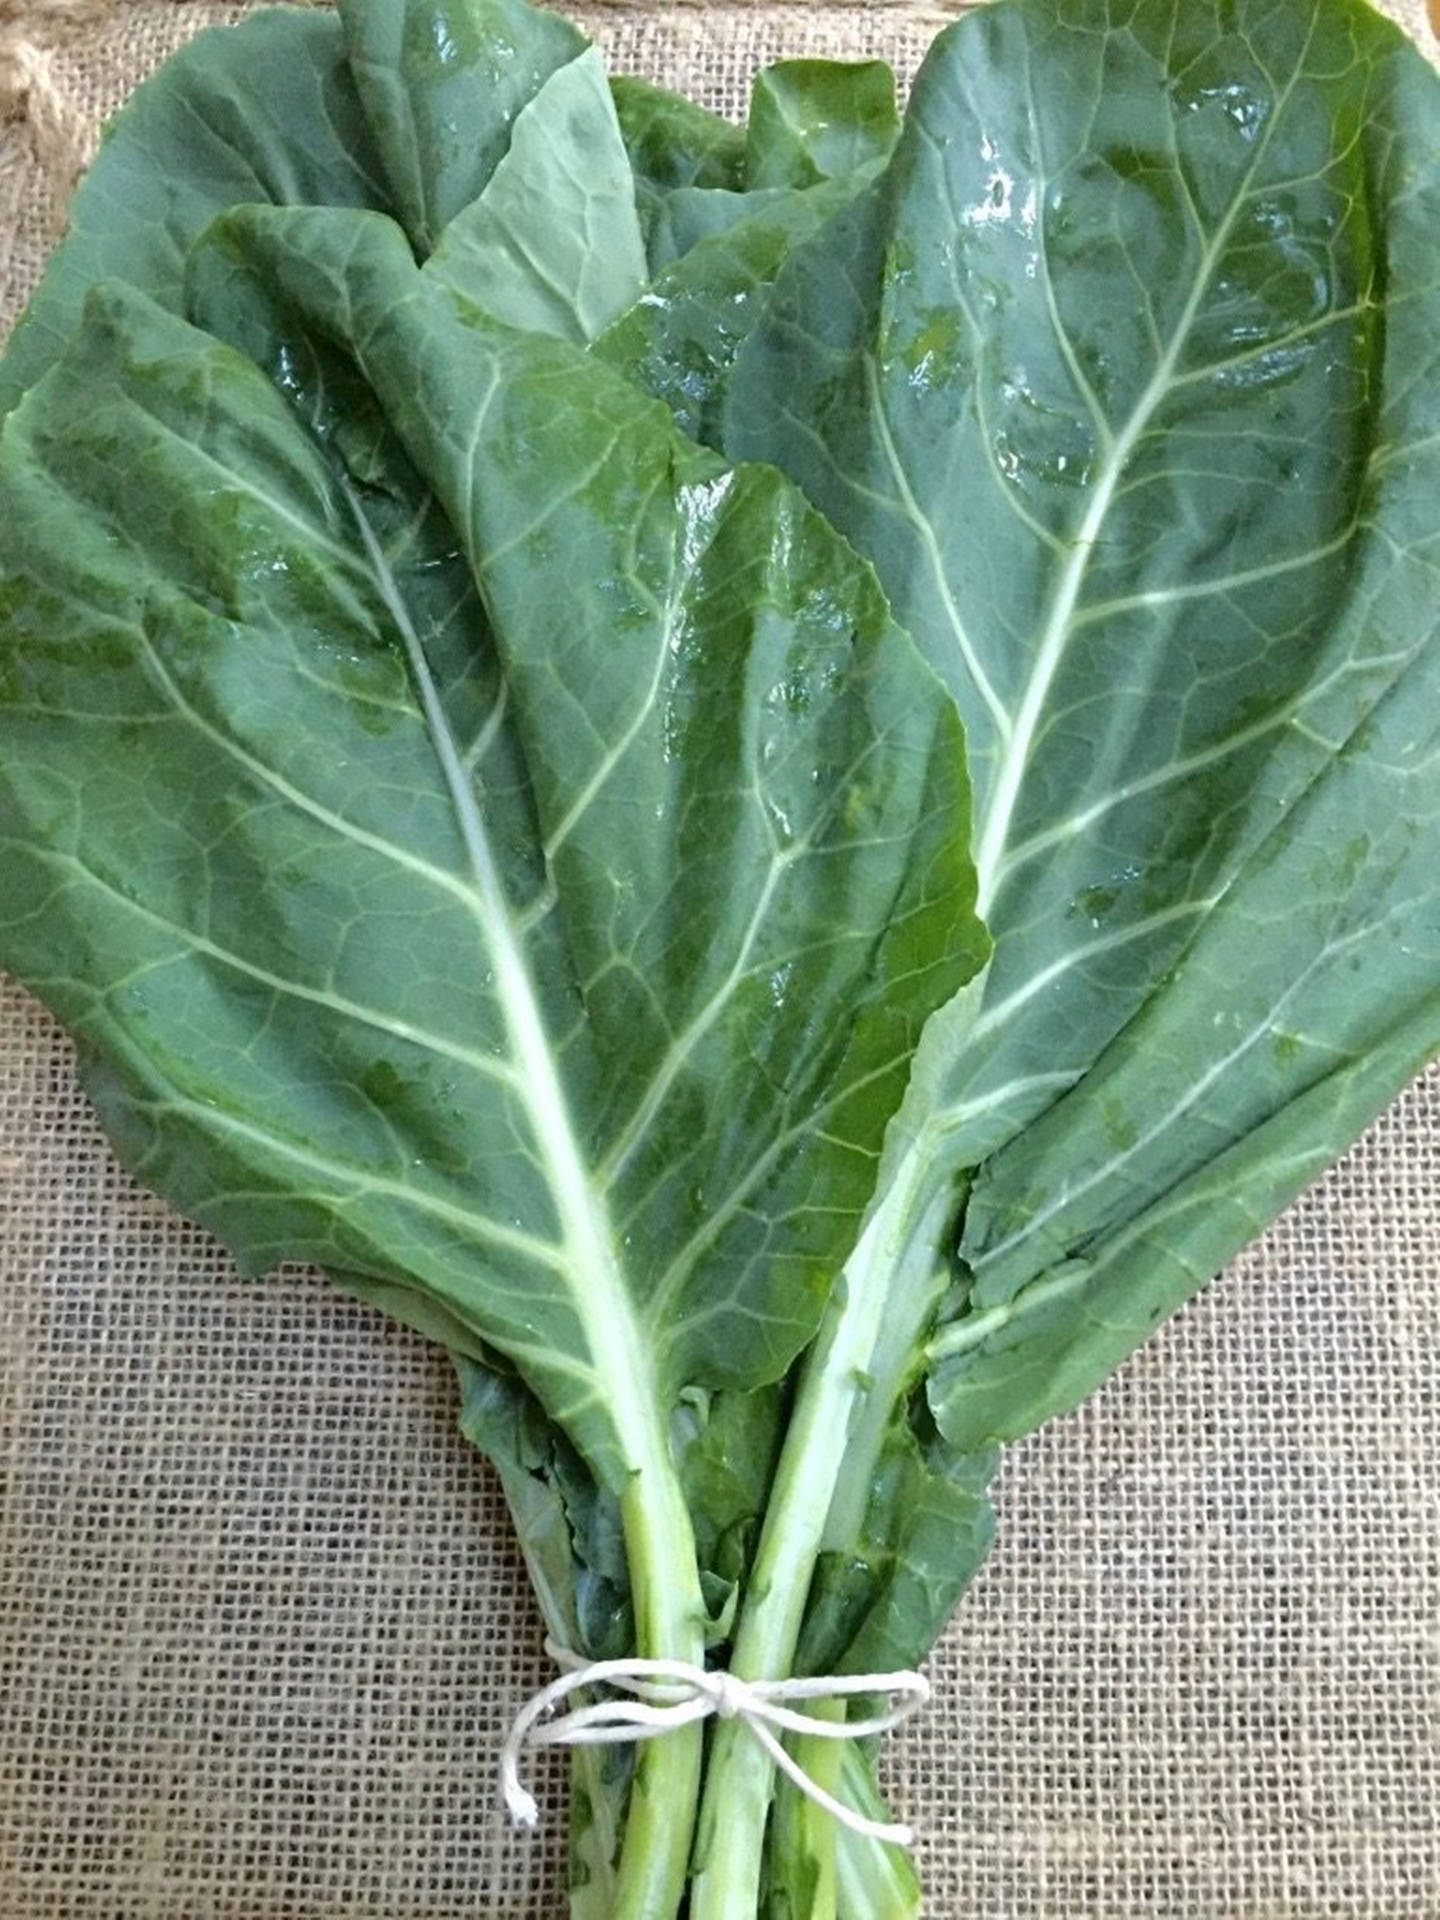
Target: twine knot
point(731, 1696)
point(658, 1696)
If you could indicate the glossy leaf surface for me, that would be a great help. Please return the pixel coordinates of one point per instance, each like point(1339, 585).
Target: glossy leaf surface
point(441, 82)
point(1125, 378)
point(813, 120)
point(264, 111)
point(504, 1098)
point(496, 847)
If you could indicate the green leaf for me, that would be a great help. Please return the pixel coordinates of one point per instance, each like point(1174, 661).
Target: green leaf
point(717, 256)
point(814, 120)
point(1133, 407)
point(441, 82)
point(1125, 377)
point(692, 216)
point(1298, 1012)
point(912, 1541)
point(553, 242)
point(673, 146)
point(480, 1071)
point(569, 1527)
point(725, 1444)
point(570, 1533)
point(674, 143)
point(263, 111)
point(553, 958)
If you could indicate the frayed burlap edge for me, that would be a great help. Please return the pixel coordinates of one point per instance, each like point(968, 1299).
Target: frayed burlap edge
point(40, 127)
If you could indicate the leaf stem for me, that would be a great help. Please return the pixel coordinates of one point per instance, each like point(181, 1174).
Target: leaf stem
point(659, 1540)
point(801, 1849)
point(837, 1381)
point(669, 1624)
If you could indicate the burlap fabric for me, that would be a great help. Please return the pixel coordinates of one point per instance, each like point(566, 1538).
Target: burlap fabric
point(261, 1624)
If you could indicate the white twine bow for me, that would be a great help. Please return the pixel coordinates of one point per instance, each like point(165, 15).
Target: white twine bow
point(661, 1695)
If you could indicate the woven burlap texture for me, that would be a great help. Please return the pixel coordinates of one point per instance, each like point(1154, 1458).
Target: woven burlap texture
point(261, 1623)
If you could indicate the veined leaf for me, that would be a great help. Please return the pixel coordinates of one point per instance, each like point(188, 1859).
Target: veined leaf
point(1134, 407)
point(809, 121)
point(263, 111)
point(718, 255)
point(1051, 487)
point(567, 1101)
point(818, 132)
point(813, 120)
point(1298, 1012)
point(553, 241)
point(547, 962)
point(442, 82)
point(673, 145)
point(1125, 376)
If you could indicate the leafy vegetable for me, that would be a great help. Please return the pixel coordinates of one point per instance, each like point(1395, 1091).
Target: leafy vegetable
point(262, 111)
point(813, 120)
point(490, 835)
point(516, 981)
point(441, 83)
point(525, 248)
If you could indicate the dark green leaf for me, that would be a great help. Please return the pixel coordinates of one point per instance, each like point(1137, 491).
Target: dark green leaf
point(720, 254)
point(442, 82)
point(814, 120)
point(264, 111)
point(1125, 378)
point(674, 143)
point(288, 752)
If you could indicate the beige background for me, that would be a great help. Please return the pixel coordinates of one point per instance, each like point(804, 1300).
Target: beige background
point(261, 1626)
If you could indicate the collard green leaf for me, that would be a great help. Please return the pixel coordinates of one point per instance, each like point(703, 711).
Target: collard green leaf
point(673, 147)
point(568, 1527)
point(674, 143)
point(818, 132)
point(813, 120)
point(493, 846)
point(545, 958)
point(691, 216)
point(717, 256)
point(1125, 375)
point(263, 111)
point(1133, 406)
point(1299, 1011)
point(696, 176)
point(441, 82)
point(286, 751)
point(553, 241)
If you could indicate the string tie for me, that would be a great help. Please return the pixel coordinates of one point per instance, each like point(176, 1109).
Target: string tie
point(658, 1696)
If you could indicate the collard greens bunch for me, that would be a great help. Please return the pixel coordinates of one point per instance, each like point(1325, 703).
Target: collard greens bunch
point(776, 779)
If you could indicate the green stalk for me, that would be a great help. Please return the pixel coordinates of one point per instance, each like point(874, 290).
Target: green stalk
point(636, 1869)
point(875, 1882)
point(597, 1804)
point(801, 1850)
point(669, 1624)
point(894, 1275)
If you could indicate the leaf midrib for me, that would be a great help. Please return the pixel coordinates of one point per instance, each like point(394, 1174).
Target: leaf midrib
point(601, 1299)
point(1060, 620)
